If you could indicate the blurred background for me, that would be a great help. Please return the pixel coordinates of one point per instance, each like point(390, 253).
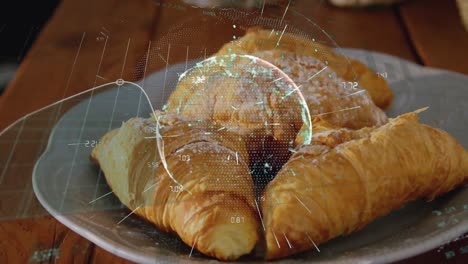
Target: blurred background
point(22, 21)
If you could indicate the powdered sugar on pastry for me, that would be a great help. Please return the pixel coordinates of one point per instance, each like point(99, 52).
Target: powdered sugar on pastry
point(326, 94)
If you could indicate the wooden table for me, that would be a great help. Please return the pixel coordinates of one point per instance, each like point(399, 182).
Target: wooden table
point(87, 43)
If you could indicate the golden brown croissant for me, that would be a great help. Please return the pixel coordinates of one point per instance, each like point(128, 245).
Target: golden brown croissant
point(324, 92)
point(257, 100)
point(346, 179)
point(257, 39)
point(195, 189)
point(245, 95)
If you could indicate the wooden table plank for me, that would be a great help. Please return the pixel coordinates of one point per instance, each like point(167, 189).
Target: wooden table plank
point(377, 29)
point(371, 29)
point(437, 33)
point(71, 247)
point(52, 70)
point(102, 256)
point(26, 240)
point(83, 39)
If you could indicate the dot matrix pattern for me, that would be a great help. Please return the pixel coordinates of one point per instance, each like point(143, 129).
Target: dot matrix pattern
point(248, 96)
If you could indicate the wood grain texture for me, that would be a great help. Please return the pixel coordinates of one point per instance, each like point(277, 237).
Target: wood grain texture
point(437, 33)
point(377, 29)
point(83, 39)
point(102, 256)
point(25, 240)
point(72, 247)
point(53, 69)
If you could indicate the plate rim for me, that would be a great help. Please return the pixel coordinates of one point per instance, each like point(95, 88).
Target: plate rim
point(395, 255)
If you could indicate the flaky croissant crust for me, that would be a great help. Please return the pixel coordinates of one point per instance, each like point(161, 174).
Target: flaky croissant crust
point(347, 178)
point(201, 209)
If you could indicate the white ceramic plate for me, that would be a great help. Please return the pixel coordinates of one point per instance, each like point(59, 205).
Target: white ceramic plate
point(65, 181)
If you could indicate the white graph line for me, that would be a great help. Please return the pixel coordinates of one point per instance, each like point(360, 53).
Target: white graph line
point(285, 11)
point(92, 93)
point(144, 77)
point(74, 144)
point(100, 62)
point(27, 199)
point(163, 157)
point(75, 154)
point(334, 43)
point(132, 212)
point(125, 59)
point(337, 111)
point(21, 54)
point(100, 197)
point(281, 36)
point(278, 79)
point(186, 59)
point(165, 72)
point(287, 240)
point(263, 7)
point(191, 250)
point(277, 242)
point(74, 96)
point(67, 85)
point(358, 92)
point(113, 109)
point(271, 33)
point(10, 156)
point(313, 76)
point(312, 242)
point(303, 204)
point(260, 215)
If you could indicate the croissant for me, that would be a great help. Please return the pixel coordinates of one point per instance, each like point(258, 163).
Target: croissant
point(346, 179)
point(257, 39)
point(250, 96)
point(325, 93)
point(194, 184)
point(245, 95)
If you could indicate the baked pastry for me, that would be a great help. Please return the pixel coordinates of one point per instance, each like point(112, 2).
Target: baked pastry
point(248, 96)
point(175, 187)
point(188, 171)
point(345, 179)
point(257, 39)
point(324, 92)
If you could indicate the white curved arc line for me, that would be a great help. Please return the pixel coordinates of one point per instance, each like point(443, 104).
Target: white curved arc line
point(212, 59)
point(299, 93)
point(84, 92)
point(47, 106)
point(160, 144)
